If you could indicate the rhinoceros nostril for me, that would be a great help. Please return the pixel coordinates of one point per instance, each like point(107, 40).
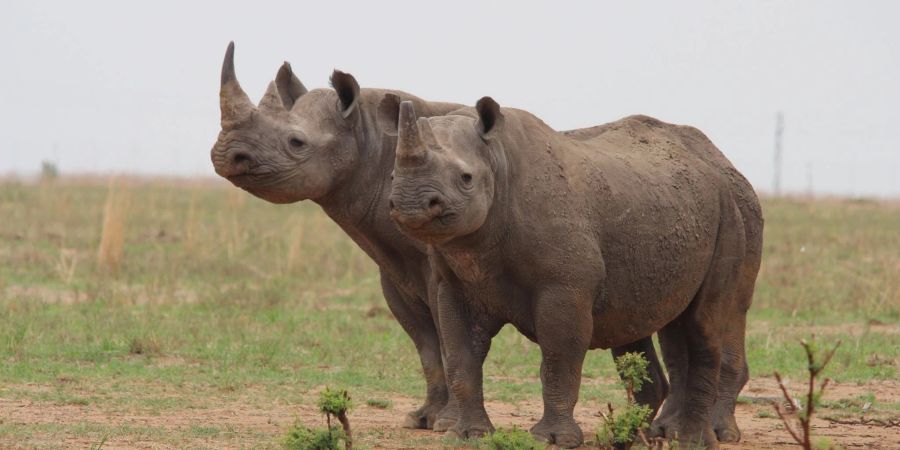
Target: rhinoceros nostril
point(434, 202)
point(240, 158)
point(391, 204)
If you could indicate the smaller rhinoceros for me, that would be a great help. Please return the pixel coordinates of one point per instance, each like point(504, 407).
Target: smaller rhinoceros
point(582, 244)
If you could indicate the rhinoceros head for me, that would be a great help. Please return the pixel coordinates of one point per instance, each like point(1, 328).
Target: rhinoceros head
point(443, 181)
point(295, 145)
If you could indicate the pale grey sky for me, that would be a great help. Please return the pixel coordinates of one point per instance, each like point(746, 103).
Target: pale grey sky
point(132, 86)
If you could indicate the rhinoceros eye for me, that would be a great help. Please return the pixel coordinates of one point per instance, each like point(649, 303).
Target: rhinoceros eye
point(296, 143)
point(467, 178)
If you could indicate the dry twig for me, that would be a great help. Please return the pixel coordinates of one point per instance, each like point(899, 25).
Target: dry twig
point(887, 423)
point(804, 416)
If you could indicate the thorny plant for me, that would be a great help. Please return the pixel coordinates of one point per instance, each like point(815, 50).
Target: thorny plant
point(619, 430)
point(804, 414)
point(337, 403)
point(331, 403)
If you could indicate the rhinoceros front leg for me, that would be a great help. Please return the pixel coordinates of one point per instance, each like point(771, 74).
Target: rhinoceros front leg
point(467, 340)
point(563, 326)
point(450, 414)
point(415, 318)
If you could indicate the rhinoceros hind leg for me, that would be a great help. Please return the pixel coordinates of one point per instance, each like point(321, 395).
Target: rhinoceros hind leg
point(734, 373)
point(672, 342)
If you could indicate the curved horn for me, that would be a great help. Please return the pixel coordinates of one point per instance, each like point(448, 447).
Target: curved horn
point(410, 147)
point(233, 101)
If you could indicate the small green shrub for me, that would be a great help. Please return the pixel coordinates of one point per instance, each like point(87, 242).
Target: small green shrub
point(379, 403)
point(49, 171)
point(300, 437)
point(622, 428)
point(145, 345)
point(632, 368)
point(619, 430)
point(332, 403)
point(513, 438)
point(335, 402)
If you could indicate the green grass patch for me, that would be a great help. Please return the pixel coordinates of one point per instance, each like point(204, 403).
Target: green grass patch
point(222, 296)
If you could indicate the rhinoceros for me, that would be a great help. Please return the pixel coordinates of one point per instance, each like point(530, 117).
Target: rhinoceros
point(325, 145)
point(580, 244)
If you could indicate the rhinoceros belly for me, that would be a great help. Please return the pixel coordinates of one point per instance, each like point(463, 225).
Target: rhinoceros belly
point(651, 277)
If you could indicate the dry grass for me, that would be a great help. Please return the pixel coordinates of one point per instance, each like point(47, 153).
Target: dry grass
point(112, 236)
point(219, 297)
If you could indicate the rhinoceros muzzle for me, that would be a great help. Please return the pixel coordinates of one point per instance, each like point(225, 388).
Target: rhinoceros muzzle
point(417, 213)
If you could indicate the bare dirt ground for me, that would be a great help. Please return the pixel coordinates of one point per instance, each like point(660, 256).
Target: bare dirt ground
point(378, 428)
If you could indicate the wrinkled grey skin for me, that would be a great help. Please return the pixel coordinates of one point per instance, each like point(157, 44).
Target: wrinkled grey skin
point(597, 242)
point(327, 146)
point(323, 145)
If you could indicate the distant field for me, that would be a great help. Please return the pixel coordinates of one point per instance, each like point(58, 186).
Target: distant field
point(204, 317)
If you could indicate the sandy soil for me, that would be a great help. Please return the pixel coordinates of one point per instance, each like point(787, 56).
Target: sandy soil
point(379, 428)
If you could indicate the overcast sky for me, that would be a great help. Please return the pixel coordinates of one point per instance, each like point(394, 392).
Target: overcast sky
point(133, 86)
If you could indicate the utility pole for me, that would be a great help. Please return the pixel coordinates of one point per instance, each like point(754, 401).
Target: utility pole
point(809, 179)
point(779, 131)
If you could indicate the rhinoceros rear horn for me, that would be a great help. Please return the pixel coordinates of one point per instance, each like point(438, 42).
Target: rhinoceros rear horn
point(234, 102)
point(271, 101)
point(410, 147)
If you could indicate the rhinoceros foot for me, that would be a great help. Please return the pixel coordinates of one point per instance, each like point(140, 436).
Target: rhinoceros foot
point(470, 430)
point(726, 428)
point(423, 418)
point(564, 433)
point(446, 418)
point(688, 435)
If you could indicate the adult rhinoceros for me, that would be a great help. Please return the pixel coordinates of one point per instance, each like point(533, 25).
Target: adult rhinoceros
point(325, 145)
point(582, 244)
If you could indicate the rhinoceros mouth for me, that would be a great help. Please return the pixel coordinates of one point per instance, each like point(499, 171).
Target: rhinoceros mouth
point(437, 229)
point(275, 187)
point(259, 178)
point(239, 180)
point(271, 195)
point(446, 219)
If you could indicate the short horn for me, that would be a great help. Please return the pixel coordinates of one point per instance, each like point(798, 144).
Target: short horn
point(271, 102)
point(234, 102)
point(409, 142)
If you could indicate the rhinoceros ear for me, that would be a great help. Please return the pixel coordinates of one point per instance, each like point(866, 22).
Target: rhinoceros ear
point(289, 86)
point(490, 119)
point(347, 90)
point(388, 114)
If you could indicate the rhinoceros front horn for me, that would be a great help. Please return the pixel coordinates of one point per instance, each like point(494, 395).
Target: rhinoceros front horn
point(235, 104)
point(410, 148)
